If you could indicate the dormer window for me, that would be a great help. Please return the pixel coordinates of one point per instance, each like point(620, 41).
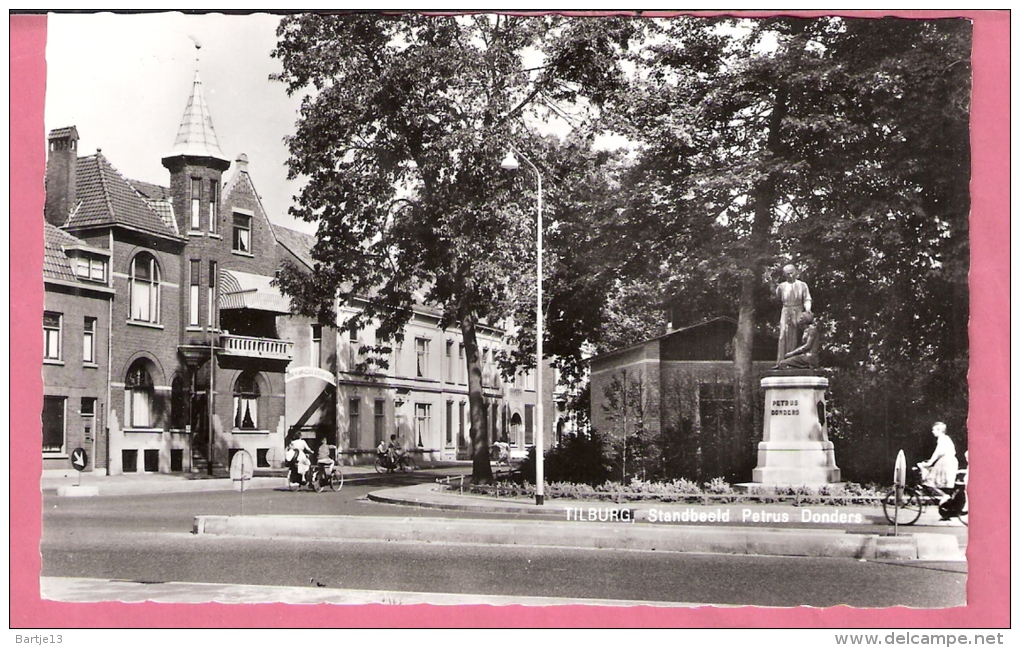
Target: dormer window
point(242, 233)
point(91, 268)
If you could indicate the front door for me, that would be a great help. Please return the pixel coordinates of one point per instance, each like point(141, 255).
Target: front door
point(199, 425)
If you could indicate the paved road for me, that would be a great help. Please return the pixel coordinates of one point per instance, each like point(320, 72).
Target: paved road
point(148, 538)
point(510, 571)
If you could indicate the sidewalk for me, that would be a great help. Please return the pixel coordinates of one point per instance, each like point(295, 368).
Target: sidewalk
point(93, 590)
point(66, 482)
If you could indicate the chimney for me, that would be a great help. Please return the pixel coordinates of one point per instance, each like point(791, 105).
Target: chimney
point(61, 162)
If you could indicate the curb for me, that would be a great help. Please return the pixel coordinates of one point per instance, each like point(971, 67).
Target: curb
point(672, 538)
point(77, 491)
point(58, 482)
point(407, 496)
point(157, 486)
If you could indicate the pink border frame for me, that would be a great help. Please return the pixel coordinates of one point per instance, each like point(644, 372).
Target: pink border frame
point(988, 581)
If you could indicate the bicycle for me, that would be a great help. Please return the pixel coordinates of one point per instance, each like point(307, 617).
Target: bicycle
point(404, 463)
point(318, 477)
point(322, 475)
point(916, 495)
point(303, 477)
point(500, 453)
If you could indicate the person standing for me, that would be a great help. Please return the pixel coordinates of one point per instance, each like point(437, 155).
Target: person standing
point(796, 299)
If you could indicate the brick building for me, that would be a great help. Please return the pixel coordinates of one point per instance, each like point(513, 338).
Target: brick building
point(195, 353)
point(188, 278)
point(681, 384)
point(77, 299)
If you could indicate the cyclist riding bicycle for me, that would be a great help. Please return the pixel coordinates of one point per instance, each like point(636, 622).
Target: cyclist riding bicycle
point(392, 450)
point(297, 458)
point(940, 470)
point(323, 457)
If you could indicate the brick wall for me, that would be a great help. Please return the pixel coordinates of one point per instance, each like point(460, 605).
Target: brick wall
point(155, 344)
point(72, 379)
point(671, 398)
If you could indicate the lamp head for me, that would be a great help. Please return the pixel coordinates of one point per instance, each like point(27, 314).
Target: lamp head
point(510, 162)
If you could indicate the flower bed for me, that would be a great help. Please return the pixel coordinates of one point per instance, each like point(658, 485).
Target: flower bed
point(716, 491)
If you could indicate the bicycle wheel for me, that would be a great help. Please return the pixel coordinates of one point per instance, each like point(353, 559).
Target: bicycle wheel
point(909, 509)
point(407, 463)
point(336, 480)
point(380, 467)
point(315, 477)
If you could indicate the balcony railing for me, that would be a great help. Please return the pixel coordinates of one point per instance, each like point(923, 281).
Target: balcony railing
point(253, 347)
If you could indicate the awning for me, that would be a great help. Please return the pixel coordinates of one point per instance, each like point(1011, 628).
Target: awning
point(251, 291)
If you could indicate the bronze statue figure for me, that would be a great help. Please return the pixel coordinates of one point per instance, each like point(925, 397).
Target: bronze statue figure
point(804, 356)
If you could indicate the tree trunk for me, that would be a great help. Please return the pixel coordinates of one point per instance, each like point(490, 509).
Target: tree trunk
point(764, 196)
point(481, 470)
point(743, 389)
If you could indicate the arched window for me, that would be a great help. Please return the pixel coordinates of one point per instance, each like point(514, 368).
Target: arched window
point(144, 288)
point(515, 429)
point(246, 402)
point(139, 388)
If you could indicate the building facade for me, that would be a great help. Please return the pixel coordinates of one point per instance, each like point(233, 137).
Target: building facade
point(422, 394)
point(202, 356)
point(168, 348)
point(77, 302)
point(680, 385)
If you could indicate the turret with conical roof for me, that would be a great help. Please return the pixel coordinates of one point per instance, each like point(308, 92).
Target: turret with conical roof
point(196, 137)
point(196, 165)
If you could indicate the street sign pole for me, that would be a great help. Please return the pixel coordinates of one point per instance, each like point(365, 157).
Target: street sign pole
point(242, 468)
point(899, 481)
point(79, 460)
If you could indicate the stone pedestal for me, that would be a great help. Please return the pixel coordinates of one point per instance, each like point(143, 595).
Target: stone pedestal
point(795, 449)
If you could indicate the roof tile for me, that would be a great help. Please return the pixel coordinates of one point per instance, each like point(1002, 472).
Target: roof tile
point(56, 265)
point(298, 243)
point(106, 198)
point(66, 131)
point(159, 200)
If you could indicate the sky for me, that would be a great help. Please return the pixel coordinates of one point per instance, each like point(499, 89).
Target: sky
point(124, 81)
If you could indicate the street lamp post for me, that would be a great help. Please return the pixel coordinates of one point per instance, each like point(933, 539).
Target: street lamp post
point(510, 163)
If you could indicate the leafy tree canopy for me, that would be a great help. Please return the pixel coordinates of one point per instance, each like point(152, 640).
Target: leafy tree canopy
point(403, 124)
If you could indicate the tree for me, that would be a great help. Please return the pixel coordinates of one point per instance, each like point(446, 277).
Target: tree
point(403, 123)
point(840, 144)
point(630, 409)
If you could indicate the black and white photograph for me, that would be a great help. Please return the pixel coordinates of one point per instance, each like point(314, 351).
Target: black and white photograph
point(618, 311)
